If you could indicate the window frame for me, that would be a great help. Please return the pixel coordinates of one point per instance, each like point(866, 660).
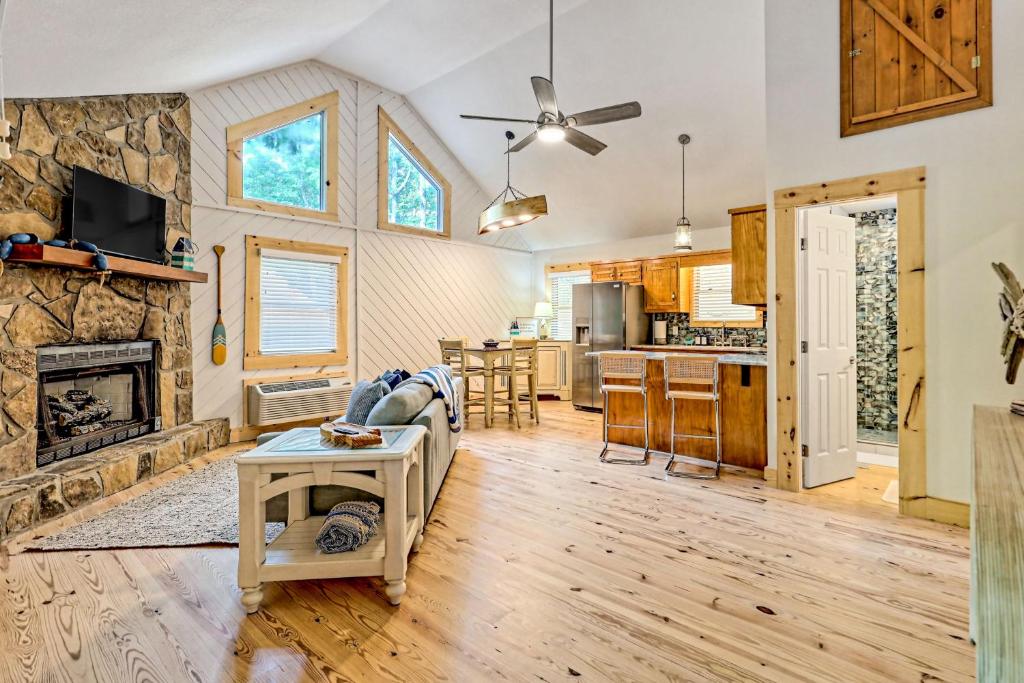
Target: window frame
point(552, 271)
point(326, 104)
point(253, 359)
point(386, 127)
point(758, 320)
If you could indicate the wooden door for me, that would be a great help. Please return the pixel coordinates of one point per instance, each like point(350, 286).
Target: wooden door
point(549, 368)
point(749, 256)
point(602, 272)
point(903, 61)
point(661, 285)
point(629, 272)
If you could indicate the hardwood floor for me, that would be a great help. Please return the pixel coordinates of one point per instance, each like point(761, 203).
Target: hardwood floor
point(539, 564)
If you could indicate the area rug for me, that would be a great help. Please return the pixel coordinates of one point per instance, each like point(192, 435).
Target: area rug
point(199, 508)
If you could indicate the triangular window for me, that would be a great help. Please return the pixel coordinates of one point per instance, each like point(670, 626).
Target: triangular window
point(414, 197)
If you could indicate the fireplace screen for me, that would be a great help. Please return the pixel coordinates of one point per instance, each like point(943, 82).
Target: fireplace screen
point(93, 395)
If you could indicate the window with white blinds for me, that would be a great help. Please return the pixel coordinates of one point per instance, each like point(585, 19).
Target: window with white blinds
point(298, 303)
point(712, 298)
point(560, 286)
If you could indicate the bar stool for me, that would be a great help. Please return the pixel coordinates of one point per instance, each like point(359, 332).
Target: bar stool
point(623, 372)
point(522, 363)
point(453, 353)
point(699, 375)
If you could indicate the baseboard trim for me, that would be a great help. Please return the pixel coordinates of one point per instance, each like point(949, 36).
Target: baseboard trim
point(938, 510)
point(771, 477)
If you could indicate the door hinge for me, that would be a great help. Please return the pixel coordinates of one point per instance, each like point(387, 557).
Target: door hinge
point(803, 450)
point(854, 53)
point(803, 244)
point(976, 62)
point(803, 347)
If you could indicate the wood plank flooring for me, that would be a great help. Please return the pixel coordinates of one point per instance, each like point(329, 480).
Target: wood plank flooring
point(539, 564)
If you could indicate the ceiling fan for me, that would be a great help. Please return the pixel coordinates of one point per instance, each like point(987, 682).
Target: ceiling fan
point(552, 125)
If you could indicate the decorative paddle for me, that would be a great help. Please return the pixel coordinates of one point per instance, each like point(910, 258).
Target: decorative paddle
point(220, 335)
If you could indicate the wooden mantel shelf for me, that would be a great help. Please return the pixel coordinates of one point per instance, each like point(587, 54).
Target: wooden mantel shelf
point(43, 255)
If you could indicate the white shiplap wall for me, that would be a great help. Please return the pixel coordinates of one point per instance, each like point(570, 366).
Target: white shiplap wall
point(404, 292)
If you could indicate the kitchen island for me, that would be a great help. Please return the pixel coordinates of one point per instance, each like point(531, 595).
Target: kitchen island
point(743, 387)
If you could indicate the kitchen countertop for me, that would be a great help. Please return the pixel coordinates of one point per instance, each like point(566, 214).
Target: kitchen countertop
point(756, 359)
point(691, 348)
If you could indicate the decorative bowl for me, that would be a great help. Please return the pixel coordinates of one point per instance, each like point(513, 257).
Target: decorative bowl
point(491, 343)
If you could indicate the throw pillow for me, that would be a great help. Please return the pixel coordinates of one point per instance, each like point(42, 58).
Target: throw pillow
point(392, 377)
point(401, 406)
point(365, 395)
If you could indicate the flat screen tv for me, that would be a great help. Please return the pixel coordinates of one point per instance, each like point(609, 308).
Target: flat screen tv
point(118, 218)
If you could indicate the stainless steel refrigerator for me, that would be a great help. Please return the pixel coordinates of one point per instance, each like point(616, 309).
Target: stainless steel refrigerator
point(606, 316)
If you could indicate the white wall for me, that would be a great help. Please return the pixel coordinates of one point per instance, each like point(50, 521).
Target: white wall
point(404, 291)
point(704, 239)
point(973, 217)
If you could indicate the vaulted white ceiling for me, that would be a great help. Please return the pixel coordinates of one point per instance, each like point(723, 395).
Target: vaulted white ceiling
point(695, 66)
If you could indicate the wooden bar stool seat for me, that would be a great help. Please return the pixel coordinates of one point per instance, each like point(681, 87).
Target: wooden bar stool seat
point(699, 374)
point(623, 372)
point(522, 362)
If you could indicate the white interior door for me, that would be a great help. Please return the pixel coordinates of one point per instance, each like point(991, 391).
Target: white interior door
point(830, 413)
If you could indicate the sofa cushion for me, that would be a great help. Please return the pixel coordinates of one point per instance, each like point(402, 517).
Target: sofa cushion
point(364, 397)
point(400, 406)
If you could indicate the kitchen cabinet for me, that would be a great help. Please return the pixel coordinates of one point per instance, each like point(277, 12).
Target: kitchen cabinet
point(668, 287)
point(749, 255)
point(629, 272)
point(553, 369)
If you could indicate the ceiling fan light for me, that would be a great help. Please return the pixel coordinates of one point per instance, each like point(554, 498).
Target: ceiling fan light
point(550, 132)
point(684, 236)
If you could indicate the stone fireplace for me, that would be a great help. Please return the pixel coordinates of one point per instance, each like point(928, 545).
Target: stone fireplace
point(93, 395)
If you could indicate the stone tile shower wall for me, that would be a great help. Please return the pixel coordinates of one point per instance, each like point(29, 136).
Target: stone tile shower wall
point(877, 375)
point(758, 336)
point(143, 140)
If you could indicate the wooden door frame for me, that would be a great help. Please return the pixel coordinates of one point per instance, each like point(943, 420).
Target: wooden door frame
point(909, 187)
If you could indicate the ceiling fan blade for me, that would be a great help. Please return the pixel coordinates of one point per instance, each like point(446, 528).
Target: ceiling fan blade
point(523, 143)
point(545, 93)
point(616, 112)
point(583, 141)
point(495, 118)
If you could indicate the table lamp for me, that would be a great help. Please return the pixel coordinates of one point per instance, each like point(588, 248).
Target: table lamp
point(542, 311)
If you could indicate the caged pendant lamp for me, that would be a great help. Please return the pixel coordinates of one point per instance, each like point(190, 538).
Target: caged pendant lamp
point(684, 234)
point(503, 212)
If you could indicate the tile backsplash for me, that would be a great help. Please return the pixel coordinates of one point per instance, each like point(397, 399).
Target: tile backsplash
point(757, 336)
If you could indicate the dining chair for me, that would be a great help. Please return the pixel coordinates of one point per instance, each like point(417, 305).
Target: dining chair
point(521, 363)
point(453, 354)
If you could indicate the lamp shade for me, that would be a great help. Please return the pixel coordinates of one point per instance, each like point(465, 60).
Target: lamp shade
point(542, 309)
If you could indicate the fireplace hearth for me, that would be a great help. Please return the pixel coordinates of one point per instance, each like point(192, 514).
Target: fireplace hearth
point(92, 396)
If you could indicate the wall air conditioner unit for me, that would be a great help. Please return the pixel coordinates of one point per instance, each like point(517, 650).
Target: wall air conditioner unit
point(303, 399)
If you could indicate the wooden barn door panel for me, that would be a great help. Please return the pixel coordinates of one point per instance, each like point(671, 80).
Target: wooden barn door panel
point(908, 60)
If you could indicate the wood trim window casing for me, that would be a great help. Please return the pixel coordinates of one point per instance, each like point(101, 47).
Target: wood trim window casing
point(898, 67)
point(385, 128)
point(238, 133)
point(253, 359)
point(909, 187)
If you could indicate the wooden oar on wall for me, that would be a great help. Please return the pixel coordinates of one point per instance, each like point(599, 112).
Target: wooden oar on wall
point(220, 334)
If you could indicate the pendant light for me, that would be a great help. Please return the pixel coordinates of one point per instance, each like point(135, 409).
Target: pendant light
point(684, 234)
point(505, 213)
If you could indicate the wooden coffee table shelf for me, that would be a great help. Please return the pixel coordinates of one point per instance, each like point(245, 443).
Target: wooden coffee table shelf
point(44, 255)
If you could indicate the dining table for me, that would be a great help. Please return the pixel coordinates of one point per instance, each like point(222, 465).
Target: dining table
point(491, 356)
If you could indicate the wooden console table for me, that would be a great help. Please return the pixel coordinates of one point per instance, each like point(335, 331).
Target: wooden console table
point(997, 544)
point(308, 461)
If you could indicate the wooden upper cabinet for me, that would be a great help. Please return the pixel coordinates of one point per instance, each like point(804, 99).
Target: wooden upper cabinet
point(602, 272)
point(749, 255)
point(665, 289)
point(624, 271)
point(903, 61)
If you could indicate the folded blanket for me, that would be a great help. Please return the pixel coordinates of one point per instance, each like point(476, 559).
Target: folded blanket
point(347, 526)
point(440, 382)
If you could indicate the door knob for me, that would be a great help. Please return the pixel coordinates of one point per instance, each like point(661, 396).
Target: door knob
point(853, 360)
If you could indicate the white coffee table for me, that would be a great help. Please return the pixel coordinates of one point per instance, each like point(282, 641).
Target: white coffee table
point(308, 461)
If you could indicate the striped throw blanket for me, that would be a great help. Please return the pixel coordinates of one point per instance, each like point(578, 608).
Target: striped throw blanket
point(347, 526)
point(441, 384)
